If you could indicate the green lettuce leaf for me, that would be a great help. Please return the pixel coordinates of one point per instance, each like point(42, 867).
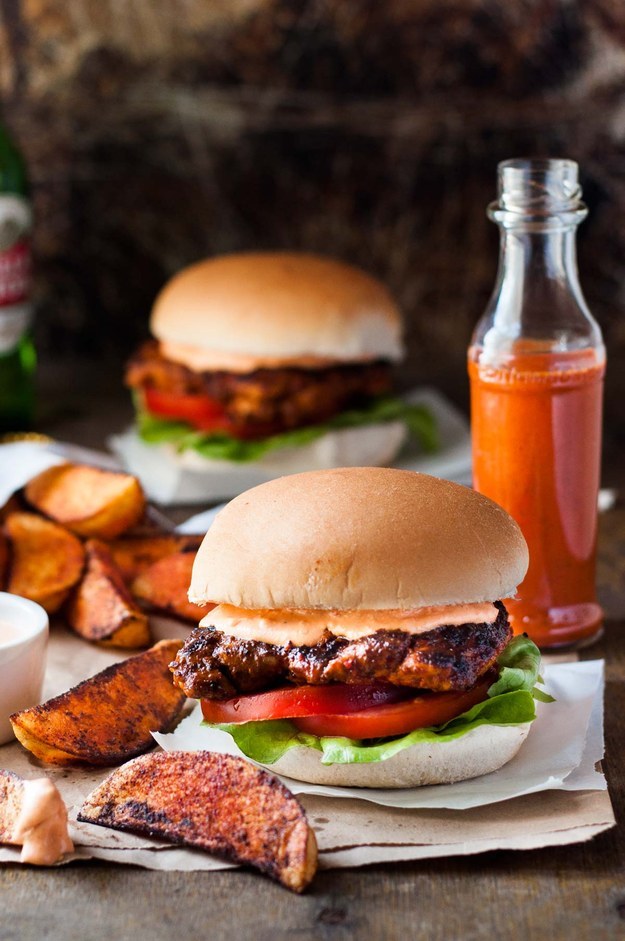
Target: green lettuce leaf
point(265, 742)
point(220, 446)
point(510, 702)
point(518, 669)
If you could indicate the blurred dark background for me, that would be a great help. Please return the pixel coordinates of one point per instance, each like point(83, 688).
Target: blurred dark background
point(160, 132)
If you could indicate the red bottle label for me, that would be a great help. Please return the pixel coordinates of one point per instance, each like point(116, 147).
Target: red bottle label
point(15, 273)
point(15, 257)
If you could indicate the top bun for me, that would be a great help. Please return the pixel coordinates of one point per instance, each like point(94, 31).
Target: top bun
point(359, 538)
point(280, 305)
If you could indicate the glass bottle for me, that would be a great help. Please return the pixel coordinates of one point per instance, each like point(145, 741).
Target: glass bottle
point(536, 365)
point(17, 352)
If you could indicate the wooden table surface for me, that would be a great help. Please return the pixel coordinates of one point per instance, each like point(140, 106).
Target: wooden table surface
point(573, 893)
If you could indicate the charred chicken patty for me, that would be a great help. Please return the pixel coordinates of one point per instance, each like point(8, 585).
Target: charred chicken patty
point(214, 665)
point(274, 400)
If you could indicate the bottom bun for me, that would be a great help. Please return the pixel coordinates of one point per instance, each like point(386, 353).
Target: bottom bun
point(168, 476)
point(480, 751)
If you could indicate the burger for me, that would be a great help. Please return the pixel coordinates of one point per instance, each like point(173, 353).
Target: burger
point(358, 636)
point(264, 364)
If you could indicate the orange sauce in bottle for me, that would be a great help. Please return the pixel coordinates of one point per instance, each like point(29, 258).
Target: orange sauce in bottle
point(536, 427)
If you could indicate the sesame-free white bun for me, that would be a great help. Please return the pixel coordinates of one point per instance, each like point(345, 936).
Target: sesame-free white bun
point(478, 752)
point(359, 538)
point(277, 305)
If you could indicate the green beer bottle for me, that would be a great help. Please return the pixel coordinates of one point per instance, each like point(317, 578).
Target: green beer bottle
point(17, 351)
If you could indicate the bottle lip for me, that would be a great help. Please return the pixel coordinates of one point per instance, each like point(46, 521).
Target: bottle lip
point(538, 190)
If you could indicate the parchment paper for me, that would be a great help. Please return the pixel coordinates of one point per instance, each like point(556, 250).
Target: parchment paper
point(357, 832)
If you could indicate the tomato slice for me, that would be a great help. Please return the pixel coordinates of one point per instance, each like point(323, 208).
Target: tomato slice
point(201, 411)
point(205, 414)
point(290, 702)
point(398, 718)
point(376, 710)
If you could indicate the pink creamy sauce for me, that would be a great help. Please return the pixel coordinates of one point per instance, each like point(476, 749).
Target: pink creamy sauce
point(306, 627)
point(41, 827)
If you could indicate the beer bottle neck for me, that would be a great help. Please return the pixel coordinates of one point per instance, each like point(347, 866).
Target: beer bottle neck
point(13, 177)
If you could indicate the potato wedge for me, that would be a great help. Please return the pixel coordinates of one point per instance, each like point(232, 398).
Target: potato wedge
point(164, 585)
point(46, 560)
point(107, 718)
point(14, 504)
point(33, 815)
point(89, 501)
point(134, 554)
point(218, 803)
point(101, 608)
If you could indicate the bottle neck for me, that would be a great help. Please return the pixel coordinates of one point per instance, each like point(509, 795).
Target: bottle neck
point(13, 177)
point(537, 261)
point(537, 293)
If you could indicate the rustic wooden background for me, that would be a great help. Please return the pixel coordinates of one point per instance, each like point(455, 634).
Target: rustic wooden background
point(159, 131)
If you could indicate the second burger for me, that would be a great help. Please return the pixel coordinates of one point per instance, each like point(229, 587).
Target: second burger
point(279, 362)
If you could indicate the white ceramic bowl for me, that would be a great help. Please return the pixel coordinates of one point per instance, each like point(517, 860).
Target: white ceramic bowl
point(23, 642)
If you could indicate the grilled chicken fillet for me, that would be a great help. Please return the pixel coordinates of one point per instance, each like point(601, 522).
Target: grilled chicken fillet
point(282, 398)
point(214, 665)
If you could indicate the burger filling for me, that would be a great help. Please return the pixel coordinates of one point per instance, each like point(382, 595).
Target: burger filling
point(358, 686)
point(451, 657)
point(256, 403)
point(241, 413)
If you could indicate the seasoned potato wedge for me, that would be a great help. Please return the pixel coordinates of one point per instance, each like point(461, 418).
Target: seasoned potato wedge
point(107, 718)
point(89, 501)
point(164, 585)
point(33, 815)
point(46, 560)
point(214, 802)
point(14, 504)
point(134, 554)
point(101, 608)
